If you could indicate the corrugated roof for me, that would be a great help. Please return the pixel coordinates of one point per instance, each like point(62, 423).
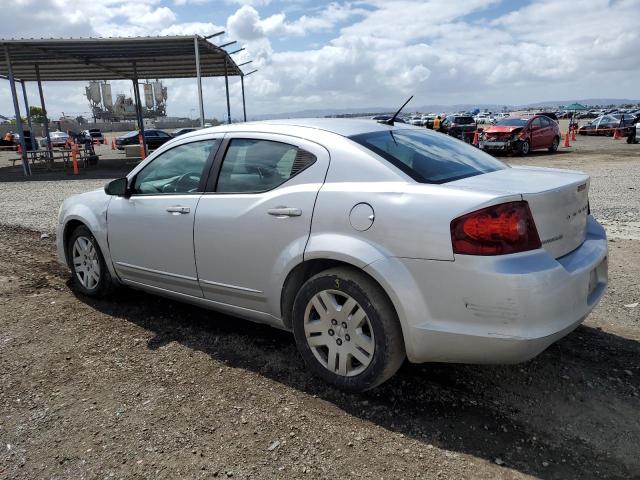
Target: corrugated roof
point(114, 58)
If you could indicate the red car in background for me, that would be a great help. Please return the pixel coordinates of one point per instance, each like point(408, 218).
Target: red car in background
point(521, 135)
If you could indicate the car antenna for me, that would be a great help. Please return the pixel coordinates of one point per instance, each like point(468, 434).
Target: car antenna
point(393, 119)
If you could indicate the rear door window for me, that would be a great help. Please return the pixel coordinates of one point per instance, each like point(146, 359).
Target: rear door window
point(428, 157)
point(254, 166)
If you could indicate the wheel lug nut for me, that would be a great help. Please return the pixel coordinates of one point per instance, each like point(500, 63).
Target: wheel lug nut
point(338, 341)
point(347, 338)
point(334, 322)
point(344, 324)
point(331, 332)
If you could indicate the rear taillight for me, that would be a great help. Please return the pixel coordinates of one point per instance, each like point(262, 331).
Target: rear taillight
point(496, 230)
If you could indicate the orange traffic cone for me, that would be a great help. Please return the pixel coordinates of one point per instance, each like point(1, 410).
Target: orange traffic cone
point(141, 141)
point(573, 134)
point(616, 134)
point(475, 138)
point(566, 139)
point(113, 143)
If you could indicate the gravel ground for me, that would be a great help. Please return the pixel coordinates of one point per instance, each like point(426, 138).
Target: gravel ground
point(144, 387)
point(34, 203)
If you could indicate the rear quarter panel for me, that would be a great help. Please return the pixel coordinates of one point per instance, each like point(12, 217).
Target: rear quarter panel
point(410, 219)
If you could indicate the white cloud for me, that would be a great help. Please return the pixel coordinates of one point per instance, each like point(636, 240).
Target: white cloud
point(191, 28)
point(379, 51)
point(253, 3)
point(246, 23)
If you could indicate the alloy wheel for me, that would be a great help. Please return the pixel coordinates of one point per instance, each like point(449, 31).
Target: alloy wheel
point(86, 262)
point(339, 333)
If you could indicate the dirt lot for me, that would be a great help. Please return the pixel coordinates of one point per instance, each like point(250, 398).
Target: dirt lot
point(142, 387)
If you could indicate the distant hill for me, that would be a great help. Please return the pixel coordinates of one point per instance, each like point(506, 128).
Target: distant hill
point(366, 111)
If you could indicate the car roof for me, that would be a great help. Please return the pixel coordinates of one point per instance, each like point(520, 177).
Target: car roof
point(341, 126)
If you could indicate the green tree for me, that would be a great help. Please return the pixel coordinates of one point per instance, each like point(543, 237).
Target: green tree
point(37, 115)
point(24, 121)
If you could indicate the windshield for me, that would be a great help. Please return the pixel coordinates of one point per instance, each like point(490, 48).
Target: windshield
point(429, 157)
point(513, 122)
point(133, 133)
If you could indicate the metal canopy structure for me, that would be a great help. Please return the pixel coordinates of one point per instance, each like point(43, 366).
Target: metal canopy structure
point(133, 58)
point(113, 58)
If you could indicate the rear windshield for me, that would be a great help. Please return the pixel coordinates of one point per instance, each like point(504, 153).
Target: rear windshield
point(429, 157)
point(464, 120)
point(95, 134)
point(513, 122)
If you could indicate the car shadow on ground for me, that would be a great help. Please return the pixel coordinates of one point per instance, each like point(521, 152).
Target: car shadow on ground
point(537, 417)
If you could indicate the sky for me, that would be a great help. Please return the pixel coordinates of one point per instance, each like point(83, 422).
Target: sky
point(347, 54)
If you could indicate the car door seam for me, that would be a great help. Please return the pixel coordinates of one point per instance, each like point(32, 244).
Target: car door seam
point(315, 201)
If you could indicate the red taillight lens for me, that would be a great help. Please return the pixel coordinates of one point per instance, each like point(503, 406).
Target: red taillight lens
point(495, 230)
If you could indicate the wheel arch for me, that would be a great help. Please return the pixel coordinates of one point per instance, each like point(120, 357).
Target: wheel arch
point(303, 271)
point(82, 215)
point(69, 228)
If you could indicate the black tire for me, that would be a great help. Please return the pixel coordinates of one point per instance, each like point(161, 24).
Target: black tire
point(388, 353)
point(525, 148)
point(554, 146)
point(105, 284)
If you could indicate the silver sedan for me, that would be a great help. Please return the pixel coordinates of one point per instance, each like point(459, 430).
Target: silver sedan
point(371, 242)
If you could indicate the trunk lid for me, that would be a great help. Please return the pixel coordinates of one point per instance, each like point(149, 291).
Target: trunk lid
point(557, 199)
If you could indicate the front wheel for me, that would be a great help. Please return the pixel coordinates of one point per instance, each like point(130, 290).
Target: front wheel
point(347, 330)
point(525, 148)
point(90, 273)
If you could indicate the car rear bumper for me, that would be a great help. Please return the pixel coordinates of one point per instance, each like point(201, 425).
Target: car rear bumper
point(501, 309)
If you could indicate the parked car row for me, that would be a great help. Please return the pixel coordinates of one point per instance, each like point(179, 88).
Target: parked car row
point(154, 138)
point(607, 124)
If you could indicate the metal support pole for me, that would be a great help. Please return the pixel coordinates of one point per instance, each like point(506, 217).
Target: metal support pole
point(16, 107)
point(226, 84)
point(200, 104)
point(47, 134)
point(244, 107)
point(136, 94)
point(32, 134)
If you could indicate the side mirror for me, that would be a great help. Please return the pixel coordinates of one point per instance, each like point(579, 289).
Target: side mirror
point(117, 187)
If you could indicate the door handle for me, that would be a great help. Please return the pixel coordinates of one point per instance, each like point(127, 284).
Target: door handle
point(284, 212)
point(178, 210)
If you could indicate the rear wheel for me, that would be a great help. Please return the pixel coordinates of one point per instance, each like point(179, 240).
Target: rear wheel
point(554, 146)
point(525, 148)
point(90, 273)
point(346, 330)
